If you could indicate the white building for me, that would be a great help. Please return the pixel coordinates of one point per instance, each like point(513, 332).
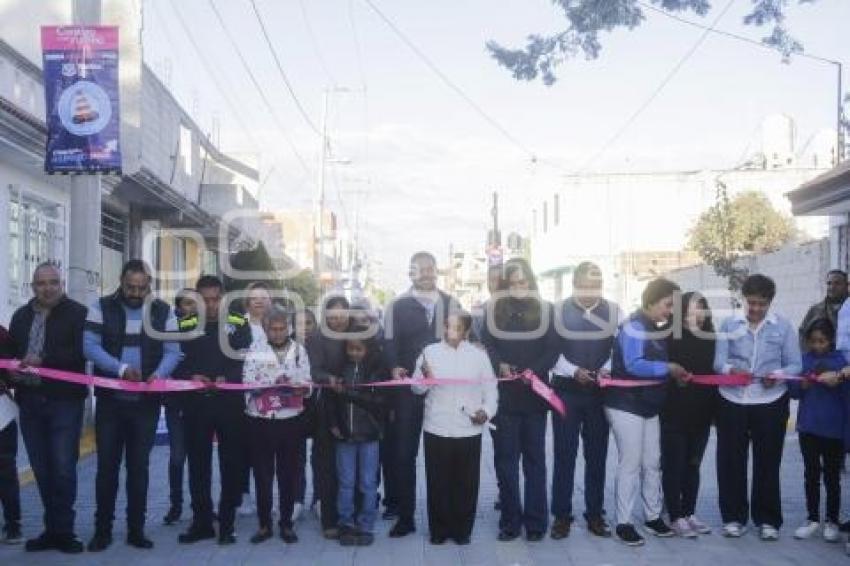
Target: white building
point(601, 216)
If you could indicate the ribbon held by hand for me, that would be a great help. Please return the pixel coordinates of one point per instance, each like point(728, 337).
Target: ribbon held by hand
point(544, 391)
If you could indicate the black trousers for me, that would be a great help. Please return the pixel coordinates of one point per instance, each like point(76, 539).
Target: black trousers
point(404, 436)
point(124, 430)
point(682, 448)
point(822, 456)
point(453, 471)
point(737, 427)
point(222, 415)
point(277, 448)
point(323, 462)
point(10, 489)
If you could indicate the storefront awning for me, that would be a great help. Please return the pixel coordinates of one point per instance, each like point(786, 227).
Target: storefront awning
point(826, 195)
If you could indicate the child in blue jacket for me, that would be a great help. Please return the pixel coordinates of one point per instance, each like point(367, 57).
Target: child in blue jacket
point(821, 418)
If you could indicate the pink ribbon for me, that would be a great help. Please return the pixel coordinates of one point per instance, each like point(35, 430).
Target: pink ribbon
point(709, 379)
point(182, 385)
point(544, 391)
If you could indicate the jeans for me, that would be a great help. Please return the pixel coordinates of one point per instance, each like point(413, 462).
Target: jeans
point(123, 430)
point(585, 419)
point(357, 464)
point(176, 450)
point(522, 436)
point(10, 489)
point(51, 431)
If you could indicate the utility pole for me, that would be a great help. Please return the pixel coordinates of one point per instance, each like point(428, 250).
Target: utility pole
point(319, 245)
point(83, 277)
point(839, 129)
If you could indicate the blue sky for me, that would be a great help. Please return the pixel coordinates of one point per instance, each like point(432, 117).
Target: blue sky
point(423, 160)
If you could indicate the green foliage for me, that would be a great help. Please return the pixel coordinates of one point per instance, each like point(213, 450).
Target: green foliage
point(745, 224)
point(586, 19)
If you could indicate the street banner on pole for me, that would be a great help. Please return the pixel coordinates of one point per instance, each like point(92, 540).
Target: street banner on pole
point(81, 92)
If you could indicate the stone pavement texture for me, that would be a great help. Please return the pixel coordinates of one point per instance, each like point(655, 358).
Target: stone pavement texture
point(579, 549)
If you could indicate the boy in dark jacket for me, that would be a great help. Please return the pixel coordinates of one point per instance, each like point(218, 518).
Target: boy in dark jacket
point(356, 420)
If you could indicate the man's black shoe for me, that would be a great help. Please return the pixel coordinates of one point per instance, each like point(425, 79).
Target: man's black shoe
point(69, 544)
point(845, 527)
point(402, 529)
point(561, 528)
point(139, 540)
point(437, 540)
point(288, 536)
point(100, 542)
point(172, 516)
point(195, 534)
point(534, 536)
point(225, 538)
point(40, 543)
point(599, 527)
point(507, 536)
point(262, 535)
point(462, 541)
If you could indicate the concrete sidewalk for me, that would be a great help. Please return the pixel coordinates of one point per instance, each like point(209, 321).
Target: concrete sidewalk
point(579, 549)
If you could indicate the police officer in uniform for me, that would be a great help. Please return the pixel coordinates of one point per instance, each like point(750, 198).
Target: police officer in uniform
point(212, 412)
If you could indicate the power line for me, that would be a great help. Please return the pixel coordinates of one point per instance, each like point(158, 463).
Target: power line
point(315, 43)
point(657, 91)
point(451, 84)
point(729, 34)
point(224, 92)
point(259, 88)
point(281, 72)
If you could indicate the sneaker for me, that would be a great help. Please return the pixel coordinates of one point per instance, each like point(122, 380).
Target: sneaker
point(768, 533)
point(698, 525)
point(69, 544)
point(12, 535)
point(297, 510)
point(831, 532)
point(628, 535)
point(365, 539)
point(658, 528)
point(806, 530)
point(682, 528)
point(734, 530)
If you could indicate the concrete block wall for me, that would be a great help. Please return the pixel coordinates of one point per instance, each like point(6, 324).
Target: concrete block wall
point(799, 272)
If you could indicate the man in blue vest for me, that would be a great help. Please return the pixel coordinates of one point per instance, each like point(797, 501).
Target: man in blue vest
point(586, 327)
point(118, 343)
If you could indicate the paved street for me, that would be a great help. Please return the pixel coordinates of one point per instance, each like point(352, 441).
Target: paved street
point(579, 549)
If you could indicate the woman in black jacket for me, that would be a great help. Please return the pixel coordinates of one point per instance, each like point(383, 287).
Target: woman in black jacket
point(687, 415)
point(521, 426)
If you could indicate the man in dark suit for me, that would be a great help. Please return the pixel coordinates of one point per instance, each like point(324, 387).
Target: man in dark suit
point(413, 321)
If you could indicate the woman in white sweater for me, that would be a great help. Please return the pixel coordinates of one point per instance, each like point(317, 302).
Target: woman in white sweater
point(454, 416)
point(276, 429)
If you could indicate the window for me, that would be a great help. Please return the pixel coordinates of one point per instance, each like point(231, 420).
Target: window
point(186, 149)
point(556, 211)
point(37, 233)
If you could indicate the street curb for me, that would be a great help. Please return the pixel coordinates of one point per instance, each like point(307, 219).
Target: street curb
point(87, 446)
